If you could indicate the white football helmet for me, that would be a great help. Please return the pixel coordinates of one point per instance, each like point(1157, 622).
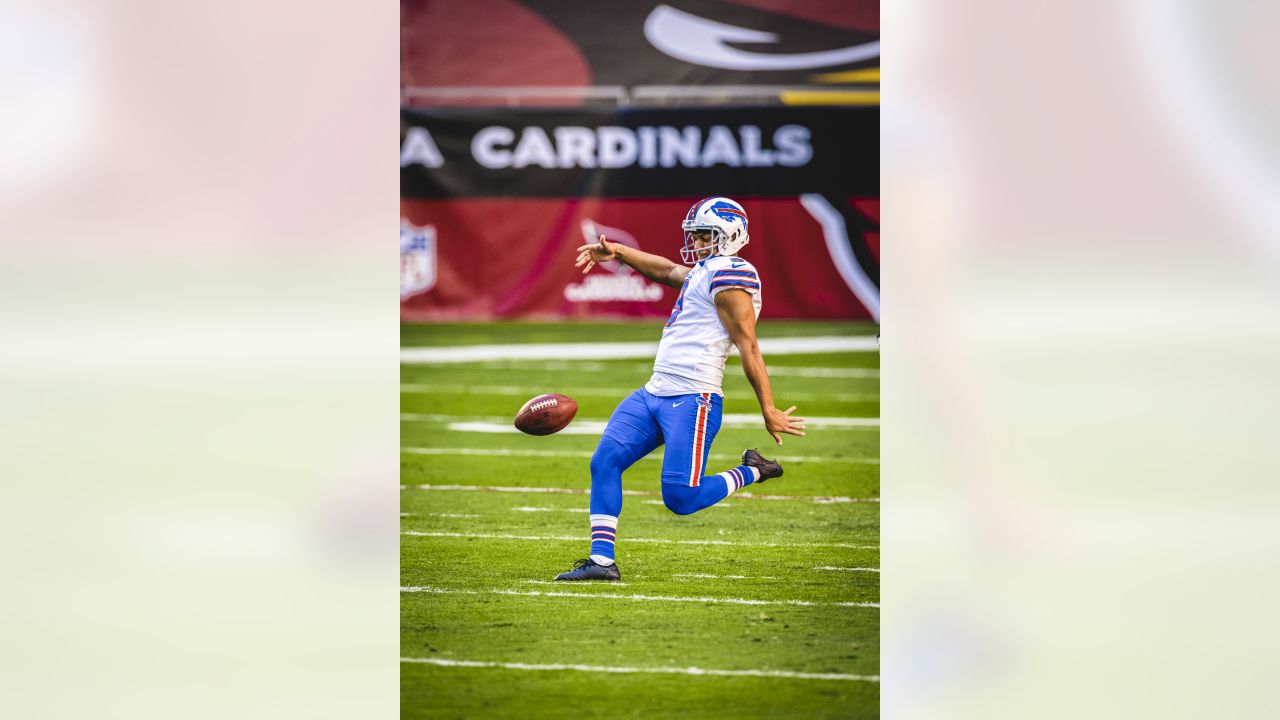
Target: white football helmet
point(727, 222)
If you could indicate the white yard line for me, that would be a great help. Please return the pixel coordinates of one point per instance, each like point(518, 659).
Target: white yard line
point(821, 500)
point(507, 452)
point(497, 452)
point(593, 428)
point(726, 577)
point(734, 420)
point(560, 583)
point(823, 372)
point(618, 350)
point(438, 418)
point(659, 502)
point(637, 598)
point(858, 569)
point(542, 509)
point(665, 541)
point(648, 670)
point(531, 391)
point(593, 366)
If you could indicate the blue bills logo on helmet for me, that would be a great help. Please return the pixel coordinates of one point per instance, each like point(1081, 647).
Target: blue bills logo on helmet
point(723, 219)
point(729, 212)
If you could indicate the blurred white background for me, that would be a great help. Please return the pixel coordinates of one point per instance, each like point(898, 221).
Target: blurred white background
point(1082, 223)
point(198, 363)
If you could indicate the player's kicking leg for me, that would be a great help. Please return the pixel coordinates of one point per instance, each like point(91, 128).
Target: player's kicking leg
point(690, 424)
point(630, 435)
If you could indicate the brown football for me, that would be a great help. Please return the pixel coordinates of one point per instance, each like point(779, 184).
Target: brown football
point(546, 414)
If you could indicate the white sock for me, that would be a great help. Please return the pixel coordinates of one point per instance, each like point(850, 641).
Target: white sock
point(601, 560)
point(731, 478)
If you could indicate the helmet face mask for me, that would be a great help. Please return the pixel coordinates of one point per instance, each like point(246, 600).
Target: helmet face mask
point(692, 251)
point(726, 222)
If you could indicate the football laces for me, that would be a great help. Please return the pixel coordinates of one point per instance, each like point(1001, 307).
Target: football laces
point(549, 402)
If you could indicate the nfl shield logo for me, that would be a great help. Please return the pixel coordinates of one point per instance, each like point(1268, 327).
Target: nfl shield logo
point(417, 258)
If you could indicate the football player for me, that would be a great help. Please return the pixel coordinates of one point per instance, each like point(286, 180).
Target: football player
point(680, 406)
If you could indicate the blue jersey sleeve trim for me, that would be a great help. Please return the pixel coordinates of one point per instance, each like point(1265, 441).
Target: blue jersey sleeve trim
point(735, 283)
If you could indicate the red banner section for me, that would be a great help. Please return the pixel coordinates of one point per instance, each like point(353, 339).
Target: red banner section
point(478, 259)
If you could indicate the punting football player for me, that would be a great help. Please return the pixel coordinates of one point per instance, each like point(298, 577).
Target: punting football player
point(680, 405)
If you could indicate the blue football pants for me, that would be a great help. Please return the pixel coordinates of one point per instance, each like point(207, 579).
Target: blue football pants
point(686, 424)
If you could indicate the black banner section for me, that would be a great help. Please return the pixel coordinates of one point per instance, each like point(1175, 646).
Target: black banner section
point(755, 152)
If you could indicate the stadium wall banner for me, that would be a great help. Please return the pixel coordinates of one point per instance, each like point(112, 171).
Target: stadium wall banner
point(494, 204)
point(654, 43)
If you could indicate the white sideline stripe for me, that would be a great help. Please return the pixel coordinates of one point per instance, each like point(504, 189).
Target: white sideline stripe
point(529, 391)
point(656, 670)
point(580, 538)
point(637, 598)
point(826, 567)
point(508, 452)
point(819, 499)
point(726, 577)
point(542, 509)
point(589, 366)
point(727, 420)
point(619, 350)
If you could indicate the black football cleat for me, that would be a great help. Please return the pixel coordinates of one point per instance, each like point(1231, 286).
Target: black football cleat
point(585, 569)
point(768, 468)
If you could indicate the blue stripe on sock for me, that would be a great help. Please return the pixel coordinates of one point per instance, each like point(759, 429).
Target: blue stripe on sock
point(603, 538)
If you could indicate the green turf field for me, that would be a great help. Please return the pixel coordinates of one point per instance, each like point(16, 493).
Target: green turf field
point(774, 596)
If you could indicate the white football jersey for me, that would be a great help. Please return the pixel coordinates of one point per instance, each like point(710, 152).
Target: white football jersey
point(694, 343)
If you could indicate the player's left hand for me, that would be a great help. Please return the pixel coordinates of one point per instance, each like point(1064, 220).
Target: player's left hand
point(781, 421)
point(598, 252)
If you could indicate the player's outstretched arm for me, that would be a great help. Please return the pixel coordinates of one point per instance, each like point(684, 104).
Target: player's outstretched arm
point(654, 267)
point(738, 315)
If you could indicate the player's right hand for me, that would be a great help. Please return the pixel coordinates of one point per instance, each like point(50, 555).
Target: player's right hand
point(597, 252)
point(782, 421)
